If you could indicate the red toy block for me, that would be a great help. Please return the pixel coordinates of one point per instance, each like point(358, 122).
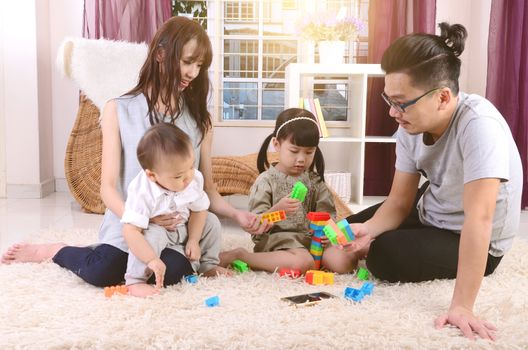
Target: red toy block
point(318, 216)
point(286, 272)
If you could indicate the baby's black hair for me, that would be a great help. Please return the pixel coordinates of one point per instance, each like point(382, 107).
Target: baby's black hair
point(159, 141)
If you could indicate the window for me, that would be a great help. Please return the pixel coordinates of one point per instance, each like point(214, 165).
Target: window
point(253, 42)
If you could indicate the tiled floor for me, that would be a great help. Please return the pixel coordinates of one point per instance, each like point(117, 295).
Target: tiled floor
point(19, 218)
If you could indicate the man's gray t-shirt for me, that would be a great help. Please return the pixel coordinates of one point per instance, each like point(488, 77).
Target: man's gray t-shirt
point(477, 144)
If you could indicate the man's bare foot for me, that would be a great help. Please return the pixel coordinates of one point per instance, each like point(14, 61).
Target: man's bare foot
point(227, 257)
point(31, 253)
point(218, 271)
point(142, 290)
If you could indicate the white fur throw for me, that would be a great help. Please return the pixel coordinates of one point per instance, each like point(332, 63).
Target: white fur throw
point(103, 69)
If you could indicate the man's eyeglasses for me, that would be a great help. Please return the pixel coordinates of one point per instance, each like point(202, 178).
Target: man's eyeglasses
point(400, 107)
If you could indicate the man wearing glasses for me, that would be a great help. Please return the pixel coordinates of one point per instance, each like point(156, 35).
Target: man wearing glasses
point(461, 222)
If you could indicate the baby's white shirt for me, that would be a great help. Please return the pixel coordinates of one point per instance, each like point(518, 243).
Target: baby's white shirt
point(146, 199)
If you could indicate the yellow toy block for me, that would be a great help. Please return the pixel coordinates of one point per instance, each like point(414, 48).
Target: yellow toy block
point(274, 216)
point(316, 277)
point(328, 278)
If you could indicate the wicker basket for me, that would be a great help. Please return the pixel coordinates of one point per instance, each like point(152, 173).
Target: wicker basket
point(82, 165)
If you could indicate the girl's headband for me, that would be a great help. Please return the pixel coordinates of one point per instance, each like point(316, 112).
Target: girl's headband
point(294, 119)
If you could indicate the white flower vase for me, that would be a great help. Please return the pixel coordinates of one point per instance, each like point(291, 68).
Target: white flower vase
point(331, 52)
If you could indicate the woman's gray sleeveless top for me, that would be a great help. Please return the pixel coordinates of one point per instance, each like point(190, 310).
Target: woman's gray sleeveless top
point(132, 113)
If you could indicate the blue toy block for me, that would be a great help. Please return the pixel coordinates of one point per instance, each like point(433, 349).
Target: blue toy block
point(367, 288)
point(192, 279)
point(344, 226)
point(316, 227)
point(212, 301)
point(354, 294)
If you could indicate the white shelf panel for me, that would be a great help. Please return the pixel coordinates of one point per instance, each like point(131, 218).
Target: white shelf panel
point(340, 139)
point(380, 139)
point(345, 139)
point(336, 69)
point(346, 150)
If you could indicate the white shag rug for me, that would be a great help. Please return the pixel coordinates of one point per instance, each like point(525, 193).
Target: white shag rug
point(43, 306)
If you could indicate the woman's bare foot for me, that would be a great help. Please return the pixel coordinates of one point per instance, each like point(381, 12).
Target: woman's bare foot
point(227, 257)
point(218, 271)
point(142, 290)
point(31, 253)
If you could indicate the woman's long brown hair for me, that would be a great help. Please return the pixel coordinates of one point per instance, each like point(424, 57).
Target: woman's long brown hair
point(159, 81)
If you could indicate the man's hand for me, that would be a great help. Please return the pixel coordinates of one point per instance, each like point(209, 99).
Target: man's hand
point(362, 240)
point(192, 250)
point(168, 221)
point(158, 267)
point(464, 319)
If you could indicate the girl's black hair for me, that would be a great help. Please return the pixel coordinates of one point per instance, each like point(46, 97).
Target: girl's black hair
point(431, 61)
point(302, 133)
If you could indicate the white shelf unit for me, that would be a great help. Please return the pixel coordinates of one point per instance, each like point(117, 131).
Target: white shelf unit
point(344, 150)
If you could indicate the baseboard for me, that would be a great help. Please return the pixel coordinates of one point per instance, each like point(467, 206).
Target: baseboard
point(61, 185)
point(31, 191)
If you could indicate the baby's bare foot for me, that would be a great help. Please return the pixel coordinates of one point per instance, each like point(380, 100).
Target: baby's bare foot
point(142, 290)
point(218, 271)
point(227, 257)
point(32, 253)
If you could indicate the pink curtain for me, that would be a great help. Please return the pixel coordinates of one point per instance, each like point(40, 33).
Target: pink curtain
point(388, 20)
point(507, 81)
point(129, 20)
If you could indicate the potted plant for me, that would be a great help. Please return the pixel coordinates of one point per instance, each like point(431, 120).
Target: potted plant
point(330, 32)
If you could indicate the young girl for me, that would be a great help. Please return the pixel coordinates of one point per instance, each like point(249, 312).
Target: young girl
point(296, 139)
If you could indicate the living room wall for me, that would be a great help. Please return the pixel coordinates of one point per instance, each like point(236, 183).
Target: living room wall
point(51, 129)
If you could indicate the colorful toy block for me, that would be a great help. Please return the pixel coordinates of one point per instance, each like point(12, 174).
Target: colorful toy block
point(363, 274)
point(338, 235)
point(317, 225)
point(299, 191)
point(192, 279)
point(239, 266)
point(316, 277)
point(367, 288)
point(316, 248)
point(212, 301)
point(110, 291)
point(274, 216)
point(358, 294)
point(354, 294)
point(286, 272)
point(318, 216)
point(344, 226)
point(331, 234)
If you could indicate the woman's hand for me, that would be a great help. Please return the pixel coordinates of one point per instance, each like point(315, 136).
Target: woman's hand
point(467, 322)
point(289, 205)
point(168, 221)
point(251, 223)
